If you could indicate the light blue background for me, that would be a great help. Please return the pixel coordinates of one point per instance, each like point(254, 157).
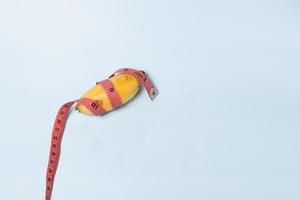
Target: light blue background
point(226, 123)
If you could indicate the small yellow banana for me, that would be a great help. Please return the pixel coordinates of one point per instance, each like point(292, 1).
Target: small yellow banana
point(126, 86)
point(115, 91)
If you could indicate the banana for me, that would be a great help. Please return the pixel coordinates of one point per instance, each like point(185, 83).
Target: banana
point(126, 83)
point(126, 86)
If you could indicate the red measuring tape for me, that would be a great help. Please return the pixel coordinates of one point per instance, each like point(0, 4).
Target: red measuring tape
point(96, 108)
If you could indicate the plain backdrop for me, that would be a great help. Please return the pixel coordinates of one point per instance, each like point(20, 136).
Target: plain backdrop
point(226, 122)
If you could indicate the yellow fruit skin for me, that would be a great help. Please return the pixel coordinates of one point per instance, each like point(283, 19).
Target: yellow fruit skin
point(126, 86)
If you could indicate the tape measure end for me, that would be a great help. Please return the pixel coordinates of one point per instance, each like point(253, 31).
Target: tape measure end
point(153, 93)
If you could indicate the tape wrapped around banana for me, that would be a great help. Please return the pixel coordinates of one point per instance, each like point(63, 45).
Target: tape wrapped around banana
point(115, 91)
point(105, 96)
point(126, 86)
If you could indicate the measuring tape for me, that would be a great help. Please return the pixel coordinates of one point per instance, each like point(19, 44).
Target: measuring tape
point(95, 107)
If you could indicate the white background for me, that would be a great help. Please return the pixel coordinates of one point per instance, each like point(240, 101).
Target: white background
point(226, 123)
